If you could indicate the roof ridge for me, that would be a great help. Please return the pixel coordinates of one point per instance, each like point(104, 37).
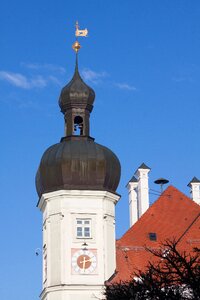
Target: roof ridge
point(176, 189)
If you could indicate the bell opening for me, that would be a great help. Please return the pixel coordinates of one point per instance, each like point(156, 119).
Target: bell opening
point(78, 125)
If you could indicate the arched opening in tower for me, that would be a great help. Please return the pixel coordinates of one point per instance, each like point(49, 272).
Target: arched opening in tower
point(78, 125)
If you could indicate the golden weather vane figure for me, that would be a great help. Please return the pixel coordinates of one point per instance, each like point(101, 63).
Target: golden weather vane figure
point(79, 33)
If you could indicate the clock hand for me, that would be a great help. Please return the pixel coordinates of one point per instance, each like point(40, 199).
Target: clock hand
point(84, 261)
point(90, 259)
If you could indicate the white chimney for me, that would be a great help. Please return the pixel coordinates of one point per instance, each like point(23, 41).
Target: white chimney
point(194, 184)
point(138, 190)
point(143, 188)
point(133, 201)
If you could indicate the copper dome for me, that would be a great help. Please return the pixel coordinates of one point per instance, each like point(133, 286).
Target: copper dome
point(78, 163)
point(76, 94)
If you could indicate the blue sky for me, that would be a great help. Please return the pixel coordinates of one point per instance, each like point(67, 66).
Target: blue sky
point(142, 59)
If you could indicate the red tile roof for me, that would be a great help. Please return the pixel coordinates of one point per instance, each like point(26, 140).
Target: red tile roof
point(172, 216)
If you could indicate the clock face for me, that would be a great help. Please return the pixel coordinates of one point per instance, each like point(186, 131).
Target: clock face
point(84, 262)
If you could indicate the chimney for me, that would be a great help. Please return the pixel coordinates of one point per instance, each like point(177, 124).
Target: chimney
point(143, 189)
point(133, 201)
point(138, 190)
point(194, 184)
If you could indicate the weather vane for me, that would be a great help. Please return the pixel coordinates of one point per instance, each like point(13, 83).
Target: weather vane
point(79, 32)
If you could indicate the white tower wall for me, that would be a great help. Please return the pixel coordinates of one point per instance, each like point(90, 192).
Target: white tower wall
point(61, 210)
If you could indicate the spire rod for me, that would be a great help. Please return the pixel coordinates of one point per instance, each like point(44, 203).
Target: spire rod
point(76, 65)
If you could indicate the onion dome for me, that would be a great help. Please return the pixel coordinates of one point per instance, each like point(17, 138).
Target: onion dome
point(76, 94)
point(77, 162)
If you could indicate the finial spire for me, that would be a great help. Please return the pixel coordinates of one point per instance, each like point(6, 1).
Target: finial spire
point(76, 46)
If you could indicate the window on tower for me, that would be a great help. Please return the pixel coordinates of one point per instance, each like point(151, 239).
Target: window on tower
point(83, 228)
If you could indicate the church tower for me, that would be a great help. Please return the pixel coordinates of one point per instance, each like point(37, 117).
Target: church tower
point(76, 183)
